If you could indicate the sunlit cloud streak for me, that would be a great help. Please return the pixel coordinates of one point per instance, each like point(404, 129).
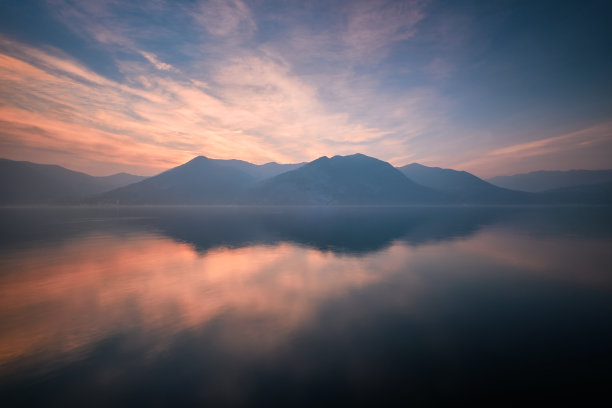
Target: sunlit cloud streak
point(570, 150)
point(261, 112)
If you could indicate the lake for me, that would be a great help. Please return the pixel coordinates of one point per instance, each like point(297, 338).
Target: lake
point(241, 306)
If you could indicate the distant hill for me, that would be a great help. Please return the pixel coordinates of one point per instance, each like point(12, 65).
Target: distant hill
point(539, 181)
point(461, 186)
point(600, 193)
point(122, 179)
point(355, 179)
point(199, 181)
point(23, 182)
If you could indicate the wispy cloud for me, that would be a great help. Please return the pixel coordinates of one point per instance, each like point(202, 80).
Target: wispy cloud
point(565, 151)
point(251, 80)
point(589, 136)
point(373, 26)
point(357, 32)
point(162, 66)
point(253, 104)
point(259, 111)
point(225, 17)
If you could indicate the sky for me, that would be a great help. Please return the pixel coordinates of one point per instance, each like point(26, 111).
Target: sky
point(491, 87)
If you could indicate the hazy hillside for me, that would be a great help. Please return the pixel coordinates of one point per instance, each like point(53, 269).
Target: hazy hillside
point(586, 194)
point(461, 186)
point(539, 181)
point(355, 179)
point(199, 181)
point(121, 179)
point(23, 182)
point(258, 171)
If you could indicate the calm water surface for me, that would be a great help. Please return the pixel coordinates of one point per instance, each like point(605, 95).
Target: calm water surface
point(304, 307)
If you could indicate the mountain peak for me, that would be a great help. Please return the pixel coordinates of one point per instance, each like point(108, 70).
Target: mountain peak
point(197, 159)
point(353, 156)
point(414, 166)
point(353, 179)
point(320, 160)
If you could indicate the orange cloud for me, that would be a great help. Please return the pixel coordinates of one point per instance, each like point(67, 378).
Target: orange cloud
point(262, 113)
point(251, 106)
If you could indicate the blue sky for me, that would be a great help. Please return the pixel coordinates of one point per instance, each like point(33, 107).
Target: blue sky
point(492, 87)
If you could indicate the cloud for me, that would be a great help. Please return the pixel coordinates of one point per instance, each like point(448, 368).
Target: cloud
point(225, 17)
point(252, 106)
point(590, 135)
point(225, 98)
point(592, 145)
point(373, 26)
point(350, 33)
point(162, 66)
point(281, 81)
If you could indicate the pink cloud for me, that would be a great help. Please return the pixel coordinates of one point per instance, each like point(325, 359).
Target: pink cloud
point(256, 109)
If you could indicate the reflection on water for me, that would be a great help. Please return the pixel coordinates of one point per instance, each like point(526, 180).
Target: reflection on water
point(280, 306)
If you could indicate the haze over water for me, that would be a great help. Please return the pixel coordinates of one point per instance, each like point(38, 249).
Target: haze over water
point(231, 306)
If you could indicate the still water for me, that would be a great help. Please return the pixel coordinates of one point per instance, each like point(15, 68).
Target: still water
point(213, 306)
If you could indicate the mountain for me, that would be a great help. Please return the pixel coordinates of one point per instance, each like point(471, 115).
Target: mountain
point(461, 186)
point(121, 179)
point(539, 181)
point(258, 171)
point(23, 182)
point(600, 193)
point(199, 181)
point(355, 179)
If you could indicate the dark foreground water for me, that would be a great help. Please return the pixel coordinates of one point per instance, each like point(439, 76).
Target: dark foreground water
point(305, 307)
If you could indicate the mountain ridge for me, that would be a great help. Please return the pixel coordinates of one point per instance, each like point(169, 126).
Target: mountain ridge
point(461, 186)
point(543, 180)
point(23, 182)
point(338, 180)
point(351, 179)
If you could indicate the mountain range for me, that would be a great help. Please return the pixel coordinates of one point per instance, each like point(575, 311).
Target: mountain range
point(462, 187)
point(355, 179)
point(340, 180)
point(199, 181)
point(22, 182)
point(539, 181)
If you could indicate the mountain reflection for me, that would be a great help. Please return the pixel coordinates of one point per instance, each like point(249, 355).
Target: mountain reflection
point(228, 296)
point(355, 230)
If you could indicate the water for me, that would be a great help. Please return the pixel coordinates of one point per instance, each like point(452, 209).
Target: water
point(305, 306)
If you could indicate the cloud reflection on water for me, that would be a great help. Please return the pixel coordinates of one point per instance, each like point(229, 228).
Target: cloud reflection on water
point(228, 297)
point(69, 297)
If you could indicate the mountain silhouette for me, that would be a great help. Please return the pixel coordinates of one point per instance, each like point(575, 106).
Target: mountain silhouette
point(258, 171)
point(539, 181)
point(23, 182)
point(199, 181)
point(461, 186)
point(600, 193)
point(354, 229)
point(355, 179)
